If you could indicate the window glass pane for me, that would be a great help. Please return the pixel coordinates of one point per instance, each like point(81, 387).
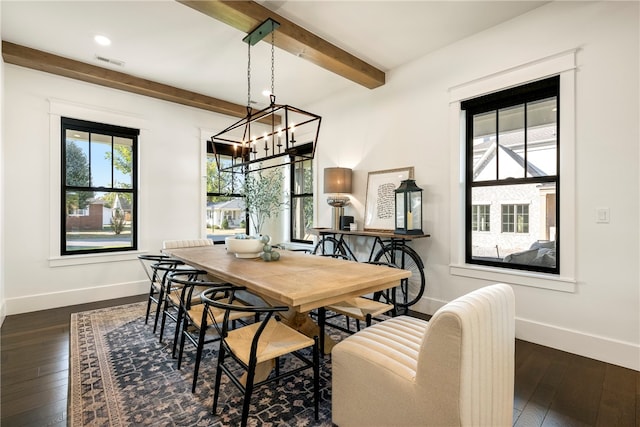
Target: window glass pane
point(303, 182)
point(514, 228)
point(225, 217)
point(123, 162)
point(511, 142)
point(77, 158)
point(302, 214)
point(508, 214)
point(542, 143)
point(484, 146)
point(97, 220)
point(100, 158)
point(301, 204)
point(223, 182)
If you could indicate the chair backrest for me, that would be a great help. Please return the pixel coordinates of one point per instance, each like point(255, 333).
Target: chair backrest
point(186, 281)
point(186, 243)
point(146, 260)
point(466, 361)
point(161, 269)
point(264, 311)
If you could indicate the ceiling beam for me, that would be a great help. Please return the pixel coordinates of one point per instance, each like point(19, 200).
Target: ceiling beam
point(43, 61)
point(247, 15)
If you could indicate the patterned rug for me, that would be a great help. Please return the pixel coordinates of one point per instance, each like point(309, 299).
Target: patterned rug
point(122, 376)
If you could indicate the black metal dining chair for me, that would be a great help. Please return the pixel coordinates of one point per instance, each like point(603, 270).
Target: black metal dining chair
point(243, 349)
point(155, 283)
point(197, 318)
point(361, 308)
point(170, 295)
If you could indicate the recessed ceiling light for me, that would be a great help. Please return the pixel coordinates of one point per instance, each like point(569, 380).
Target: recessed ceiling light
point(102, 40)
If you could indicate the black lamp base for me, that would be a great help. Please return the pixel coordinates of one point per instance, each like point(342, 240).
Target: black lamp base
point(345, 222)
point(412, 232)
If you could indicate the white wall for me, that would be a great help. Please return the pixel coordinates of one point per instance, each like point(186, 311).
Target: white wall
point(170, 191)
point(2, 157)
point(404, 123)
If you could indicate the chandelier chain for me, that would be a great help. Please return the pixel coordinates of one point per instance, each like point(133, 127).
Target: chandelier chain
point(249, 75)
point(272, 64)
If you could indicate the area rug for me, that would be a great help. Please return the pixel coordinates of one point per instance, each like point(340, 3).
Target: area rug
point(122, 376)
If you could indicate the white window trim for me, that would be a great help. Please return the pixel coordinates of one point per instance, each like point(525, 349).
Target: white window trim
point(58, 109)
point(205, 135)
point(562, 64)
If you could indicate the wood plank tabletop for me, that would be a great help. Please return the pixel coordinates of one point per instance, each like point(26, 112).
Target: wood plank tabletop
point(299, 280)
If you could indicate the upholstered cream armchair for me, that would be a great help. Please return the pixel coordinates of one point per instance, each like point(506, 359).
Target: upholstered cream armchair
point(455, 370)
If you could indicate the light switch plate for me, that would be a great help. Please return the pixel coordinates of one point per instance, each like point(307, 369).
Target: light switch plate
point(602, 215)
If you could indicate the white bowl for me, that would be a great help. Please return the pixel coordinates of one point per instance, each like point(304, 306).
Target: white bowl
point(244, 248)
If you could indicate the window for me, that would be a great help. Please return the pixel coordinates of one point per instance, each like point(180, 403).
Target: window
point(481, 218)
point(515, 218)
point(301, 201)
point(512, 158)
point(99, 187)
point(226, 212)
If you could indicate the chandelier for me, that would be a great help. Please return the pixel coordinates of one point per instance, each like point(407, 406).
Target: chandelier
point(264, 138)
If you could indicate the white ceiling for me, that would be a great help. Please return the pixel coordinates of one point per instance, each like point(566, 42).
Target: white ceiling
point(170, 43)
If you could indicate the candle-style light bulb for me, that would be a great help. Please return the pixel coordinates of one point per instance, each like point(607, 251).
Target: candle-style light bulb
point(279, 136)
point(293, 135)
point(266, 139)
point(409, 214)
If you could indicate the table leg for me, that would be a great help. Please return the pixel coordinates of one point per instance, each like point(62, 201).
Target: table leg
point(304, 324)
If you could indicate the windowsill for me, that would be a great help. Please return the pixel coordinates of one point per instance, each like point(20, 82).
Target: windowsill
point(524, 278)
point(68, 260)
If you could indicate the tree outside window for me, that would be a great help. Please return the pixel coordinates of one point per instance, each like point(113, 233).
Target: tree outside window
point(301, 218)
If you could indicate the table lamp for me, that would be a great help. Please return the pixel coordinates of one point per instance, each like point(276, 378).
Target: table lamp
point(337, 183)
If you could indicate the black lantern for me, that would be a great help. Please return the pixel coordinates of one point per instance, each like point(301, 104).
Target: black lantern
point(408, 208)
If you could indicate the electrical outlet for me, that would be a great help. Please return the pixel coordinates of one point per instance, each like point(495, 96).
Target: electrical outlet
point(602, 215)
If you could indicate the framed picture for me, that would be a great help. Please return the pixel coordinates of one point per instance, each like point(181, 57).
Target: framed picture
point(379, 208)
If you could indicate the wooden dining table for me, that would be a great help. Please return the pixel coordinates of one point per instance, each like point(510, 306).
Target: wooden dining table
point(301, 281)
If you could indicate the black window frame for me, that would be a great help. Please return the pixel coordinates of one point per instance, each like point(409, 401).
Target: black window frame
point(522, 94)
point(236, 191)
point(68, 123)
point(293, 196)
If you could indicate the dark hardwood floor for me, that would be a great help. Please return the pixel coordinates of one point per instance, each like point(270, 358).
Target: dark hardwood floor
point(552, 388)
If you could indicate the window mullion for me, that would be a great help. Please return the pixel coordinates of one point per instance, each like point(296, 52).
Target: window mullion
point(526, 138)
point(497, 131)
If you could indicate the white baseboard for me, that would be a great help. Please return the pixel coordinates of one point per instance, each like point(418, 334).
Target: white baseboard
point(428, 305)
point(3, 312)
point(29, 303)
point(601, 348)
